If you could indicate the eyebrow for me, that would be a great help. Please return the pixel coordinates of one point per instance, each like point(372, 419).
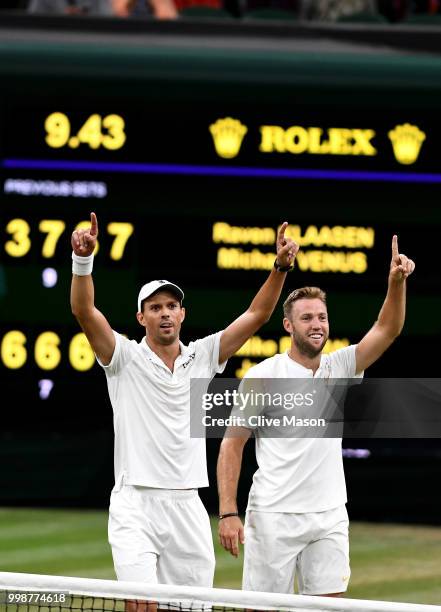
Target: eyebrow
point(173, 301)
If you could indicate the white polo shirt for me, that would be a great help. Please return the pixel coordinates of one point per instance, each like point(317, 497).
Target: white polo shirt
point(151, 413)
point(300, 475)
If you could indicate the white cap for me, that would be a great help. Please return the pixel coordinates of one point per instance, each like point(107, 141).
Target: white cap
point(148, 289)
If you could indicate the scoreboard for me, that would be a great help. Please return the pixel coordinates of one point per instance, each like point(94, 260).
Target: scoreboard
point(209, 226)
point(205, 213)
point(190, 180)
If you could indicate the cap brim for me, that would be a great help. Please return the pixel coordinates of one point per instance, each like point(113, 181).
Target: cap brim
point(174, 289)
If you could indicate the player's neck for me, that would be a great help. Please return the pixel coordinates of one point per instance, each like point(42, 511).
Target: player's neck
point(168, 353)
point(311, 363)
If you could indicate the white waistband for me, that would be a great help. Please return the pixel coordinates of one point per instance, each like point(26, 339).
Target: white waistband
point(165, 493)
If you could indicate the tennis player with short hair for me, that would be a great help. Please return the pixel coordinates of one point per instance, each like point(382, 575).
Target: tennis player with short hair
point(158, 528)
point(296, 520)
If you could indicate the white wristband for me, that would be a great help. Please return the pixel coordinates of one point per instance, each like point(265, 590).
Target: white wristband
point(82, 266)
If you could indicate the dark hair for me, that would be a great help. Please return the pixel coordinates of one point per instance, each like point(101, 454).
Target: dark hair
point(308, 293)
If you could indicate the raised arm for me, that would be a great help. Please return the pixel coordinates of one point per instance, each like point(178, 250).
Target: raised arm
point(262, 306)
point(231, 530)
point(82, 295)
point(392, 314)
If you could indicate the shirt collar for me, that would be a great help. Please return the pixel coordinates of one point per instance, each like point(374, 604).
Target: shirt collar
point(302, 367)
point(152, 356)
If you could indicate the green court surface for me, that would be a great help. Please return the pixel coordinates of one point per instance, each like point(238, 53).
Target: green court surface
point(390, 562)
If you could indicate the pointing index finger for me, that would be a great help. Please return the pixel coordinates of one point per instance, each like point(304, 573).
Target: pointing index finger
point(395, 253)
point(281, 234)
point(94, 224)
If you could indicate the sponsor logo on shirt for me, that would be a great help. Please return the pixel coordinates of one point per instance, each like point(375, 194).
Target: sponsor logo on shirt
point(189, 360)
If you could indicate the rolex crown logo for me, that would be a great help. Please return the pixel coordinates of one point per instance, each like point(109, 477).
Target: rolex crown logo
point(406, 141)
point(227, 135)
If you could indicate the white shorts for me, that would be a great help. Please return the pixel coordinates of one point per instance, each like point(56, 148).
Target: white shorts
point(161, 536)
point(314, 544)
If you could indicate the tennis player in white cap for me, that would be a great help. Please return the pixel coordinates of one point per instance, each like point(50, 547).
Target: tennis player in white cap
point(159, 530)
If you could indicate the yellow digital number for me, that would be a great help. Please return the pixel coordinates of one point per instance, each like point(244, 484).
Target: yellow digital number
point(116, 137)
point(90, 133)
point(58, 131)
point(13, 351)
point(81, 355)
point(20, 243)
point(57, 126)
point(46, 352)
point(53, 228)
point(86, 225)
point(122, 232)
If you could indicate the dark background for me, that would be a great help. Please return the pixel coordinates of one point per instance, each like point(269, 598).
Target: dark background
point(58, 451)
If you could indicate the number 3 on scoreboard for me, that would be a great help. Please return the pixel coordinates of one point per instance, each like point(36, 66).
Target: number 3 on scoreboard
point(116, 137)
point(20, 243)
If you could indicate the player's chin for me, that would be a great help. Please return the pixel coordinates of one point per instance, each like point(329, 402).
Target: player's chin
point(168, 336)
point(316, 346)
point(322, 344)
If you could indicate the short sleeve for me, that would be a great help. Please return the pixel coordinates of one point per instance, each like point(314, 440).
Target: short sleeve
point(208, 349)
point(343, 363)
point(122, 355)
point(251, 388)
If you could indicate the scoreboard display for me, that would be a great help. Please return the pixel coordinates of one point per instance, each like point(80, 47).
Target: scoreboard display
point(190, 181)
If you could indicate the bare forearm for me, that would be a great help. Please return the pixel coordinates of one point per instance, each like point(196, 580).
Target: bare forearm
point(262, 306)
point(393, 312)
point(390, 319)
point(82, 295)
point(268, 295)
point(228, 472)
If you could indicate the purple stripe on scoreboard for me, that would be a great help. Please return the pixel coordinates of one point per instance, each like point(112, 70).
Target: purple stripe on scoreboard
point(233, 171)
